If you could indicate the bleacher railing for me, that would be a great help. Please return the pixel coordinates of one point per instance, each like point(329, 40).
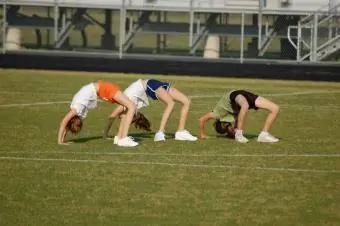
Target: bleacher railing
point(308, 43)
point(145, 4)
point(310, 40)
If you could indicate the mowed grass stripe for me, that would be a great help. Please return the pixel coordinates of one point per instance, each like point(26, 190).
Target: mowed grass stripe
point(202, 166)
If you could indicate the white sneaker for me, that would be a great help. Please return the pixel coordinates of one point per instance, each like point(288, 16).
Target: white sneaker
point(159, 136)
point(240, 138)
point(126, 142)
point(267, 137)
point(115, 139)
point(184, 135)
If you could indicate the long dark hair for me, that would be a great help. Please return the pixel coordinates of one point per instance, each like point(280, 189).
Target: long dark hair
point(141, 122)
point(224, 128)
point(75, 124)
point(221, 127)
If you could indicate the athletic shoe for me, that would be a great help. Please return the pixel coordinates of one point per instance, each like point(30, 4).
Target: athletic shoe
point(184, 135)
point(240, 138)
point(267, 137)
point(159, 136)
point(126, 142)
point(115, 139)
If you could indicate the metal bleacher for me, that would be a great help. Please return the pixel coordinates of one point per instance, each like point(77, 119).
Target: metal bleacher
point(308, 30)
point(319, 35)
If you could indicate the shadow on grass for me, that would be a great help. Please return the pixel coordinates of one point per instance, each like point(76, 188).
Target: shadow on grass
point(85, 139)
point(139, 136)
point(136, 136)
point(247, 135)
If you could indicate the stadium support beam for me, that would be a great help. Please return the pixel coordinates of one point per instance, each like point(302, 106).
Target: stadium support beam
point(161, 38)
point(108, 39)
point(281, 23)
point(135, 28)
point(253, 45)
point(65, 31)
point(4, 28)
point(203, 32)
point(39, 37)
point(12, 13)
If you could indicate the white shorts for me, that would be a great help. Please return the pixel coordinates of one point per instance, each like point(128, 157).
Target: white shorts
point(85, 99)
point(136, 93)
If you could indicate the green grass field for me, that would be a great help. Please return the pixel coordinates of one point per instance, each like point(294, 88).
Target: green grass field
point(209, 182)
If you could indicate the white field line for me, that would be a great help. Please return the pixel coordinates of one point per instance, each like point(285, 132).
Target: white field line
point(36, 93)
point(193, 96)
point(290, 106)
point(51, 160)
point(206, 166)
point(302, 93)
point(273, 94)
point(34, 104)
point(318, 155)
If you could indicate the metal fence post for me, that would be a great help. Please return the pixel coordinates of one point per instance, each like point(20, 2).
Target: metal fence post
point(315, 38)
point(122, 28)
point(242, 38)
point(191, 25)
point(298, 45)
point(4, 27)
point(259, 24)
point(56, 25)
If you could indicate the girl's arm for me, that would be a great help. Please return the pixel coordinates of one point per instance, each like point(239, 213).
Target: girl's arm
point(62, 129)
point(201, 123)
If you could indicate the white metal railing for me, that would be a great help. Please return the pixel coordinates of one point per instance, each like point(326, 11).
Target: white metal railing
point(164, 4)
point(225, 5)
point(242, 4)
point(309, 43)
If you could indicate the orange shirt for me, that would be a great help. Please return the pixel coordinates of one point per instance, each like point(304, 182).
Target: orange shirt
point(107, 91)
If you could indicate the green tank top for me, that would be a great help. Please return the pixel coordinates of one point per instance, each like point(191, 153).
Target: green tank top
point(223, 110)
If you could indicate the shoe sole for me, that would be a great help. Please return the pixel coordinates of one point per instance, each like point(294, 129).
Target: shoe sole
point(183, 139)
point(127, 145)
point(267, 141)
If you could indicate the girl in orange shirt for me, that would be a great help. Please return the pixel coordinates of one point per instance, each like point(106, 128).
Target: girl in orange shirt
point(87, 98)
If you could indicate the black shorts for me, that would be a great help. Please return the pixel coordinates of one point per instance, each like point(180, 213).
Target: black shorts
point(250, 97)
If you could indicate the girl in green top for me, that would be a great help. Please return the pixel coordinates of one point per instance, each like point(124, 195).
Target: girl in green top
point(235, 105)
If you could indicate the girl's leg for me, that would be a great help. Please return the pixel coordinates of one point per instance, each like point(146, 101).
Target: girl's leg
point(180, 97)
point(164, 96)
point(121, 125)
point(181, 133)
point(273, 109)
point(244, 106)
point(118, 111)
point(126, 119)
point(241, 117)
